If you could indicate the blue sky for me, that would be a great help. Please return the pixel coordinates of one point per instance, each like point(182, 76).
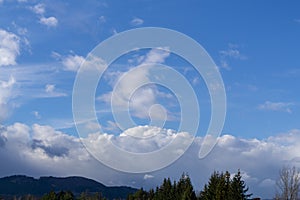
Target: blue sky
point(255, 45)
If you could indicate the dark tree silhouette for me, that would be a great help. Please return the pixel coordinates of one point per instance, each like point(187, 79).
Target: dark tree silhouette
point(222, 187)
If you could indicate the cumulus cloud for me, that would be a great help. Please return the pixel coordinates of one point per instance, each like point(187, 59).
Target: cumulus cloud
point(158, 55)
point(129, 93)
point(9, 48)
point(49, 21)
point(72, 62)
point(276, 106)
point(136, 21)
point(40, 10)
point(38, 150)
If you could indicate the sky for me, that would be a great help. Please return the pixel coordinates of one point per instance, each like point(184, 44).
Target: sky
point(254, 45)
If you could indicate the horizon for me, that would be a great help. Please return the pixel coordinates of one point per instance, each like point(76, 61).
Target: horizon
point(208, 86)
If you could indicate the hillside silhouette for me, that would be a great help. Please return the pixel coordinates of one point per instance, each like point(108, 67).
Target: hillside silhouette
point(20, 185)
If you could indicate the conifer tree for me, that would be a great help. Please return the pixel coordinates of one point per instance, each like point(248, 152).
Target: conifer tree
point(239, 188)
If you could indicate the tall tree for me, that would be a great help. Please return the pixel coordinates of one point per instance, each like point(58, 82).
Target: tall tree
point(288, 184)
point(222, 187)
point(215, 188)
point(185, 188)
point(239, 188)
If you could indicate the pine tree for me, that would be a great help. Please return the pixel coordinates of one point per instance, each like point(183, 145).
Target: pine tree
point(166, 190)
point(239, 188)
point(213, 190)
point(222, 187)
point(228, 188)
point(151, 194)
point(185, 188)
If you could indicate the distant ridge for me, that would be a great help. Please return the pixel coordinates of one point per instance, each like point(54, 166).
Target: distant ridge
point(19, 185)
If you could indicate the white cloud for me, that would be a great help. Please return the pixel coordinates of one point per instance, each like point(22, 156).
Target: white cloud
point(72, 62)
point(38, 9)
point(148, 176)
point(31, 81)
point(276, 106)
point(9, 48)
point(297, 21)
point(50, 90)
point(41, 147)
point(49, 21)
point(6, 95)
point(37, 114)
point(92, 126)
point(102, 19)
point(232, 52)
point(114, 31)
point(158, 55)
point(140, 99)
point(112, 126)
point(136, 21)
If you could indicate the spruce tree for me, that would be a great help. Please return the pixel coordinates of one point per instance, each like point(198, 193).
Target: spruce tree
point(239, 188)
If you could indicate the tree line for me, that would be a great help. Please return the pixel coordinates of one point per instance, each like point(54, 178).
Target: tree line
point(219, 187)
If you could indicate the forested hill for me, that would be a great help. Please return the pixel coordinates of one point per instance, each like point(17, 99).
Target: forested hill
point(22, 185)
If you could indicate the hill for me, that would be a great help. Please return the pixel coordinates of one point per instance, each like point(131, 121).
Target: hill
point(20, 185)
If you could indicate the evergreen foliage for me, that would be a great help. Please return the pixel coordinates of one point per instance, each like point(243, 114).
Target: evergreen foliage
point(222, 187)
point(181, 190)
point(219, 187)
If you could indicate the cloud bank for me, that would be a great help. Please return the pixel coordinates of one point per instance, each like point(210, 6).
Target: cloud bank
point(41, 150)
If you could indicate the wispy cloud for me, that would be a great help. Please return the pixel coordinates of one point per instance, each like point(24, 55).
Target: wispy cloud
point(50, 91)
point(38, 9)
point(297, 21)
point(136, 21)
point(6, 94)
point(36, 114)
point(232, 52)
point(277, 106)
point(102, 19)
